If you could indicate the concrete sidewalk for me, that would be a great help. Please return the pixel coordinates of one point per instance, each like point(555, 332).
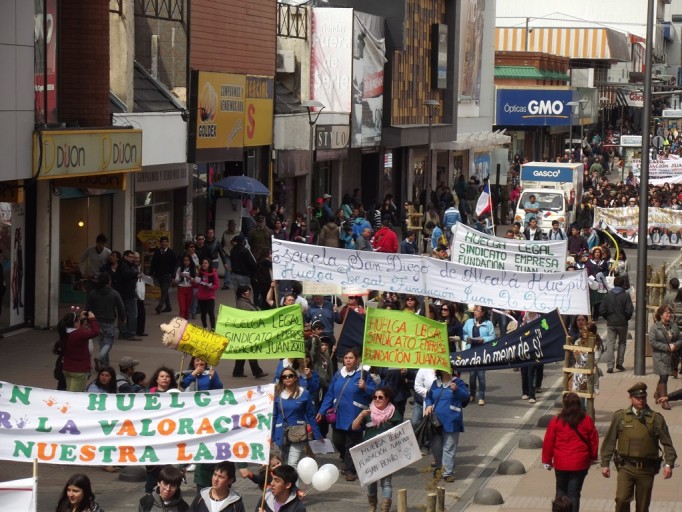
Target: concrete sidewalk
point(535, 489)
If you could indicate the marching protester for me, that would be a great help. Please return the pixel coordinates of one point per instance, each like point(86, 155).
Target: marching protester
point(166, 496)
point(76, 329)
point(570, 445)
point(381, 416)
point(633, 442)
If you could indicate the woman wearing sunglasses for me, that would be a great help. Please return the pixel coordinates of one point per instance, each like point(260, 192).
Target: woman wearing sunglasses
point(349, 393)
point(293, 409)
point(381, 416)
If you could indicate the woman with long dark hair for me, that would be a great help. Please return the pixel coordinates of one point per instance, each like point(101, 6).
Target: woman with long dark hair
point(105, 382)
point(206, 283)
point(185, 276)
point(571, 444)
point(77, 496)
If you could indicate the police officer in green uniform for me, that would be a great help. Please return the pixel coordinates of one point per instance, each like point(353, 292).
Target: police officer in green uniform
point(632, 442)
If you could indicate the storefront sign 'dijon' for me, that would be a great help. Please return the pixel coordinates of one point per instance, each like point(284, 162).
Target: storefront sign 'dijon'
point(82, 152)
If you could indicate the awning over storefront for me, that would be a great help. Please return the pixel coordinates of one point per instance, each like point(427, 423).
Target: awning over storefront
point(477, 140)
point(575, 43)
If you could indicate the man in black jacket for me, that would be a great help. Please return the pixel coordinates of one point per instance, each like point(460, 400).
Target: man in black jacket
point(617, 309)
point(162, 269)
point(243, 263)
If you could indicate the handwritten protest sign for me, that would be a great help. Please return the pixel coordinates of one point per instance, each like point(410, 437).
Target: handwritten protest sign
point(400, 273)
point(539, 341)
point(58, 427)
point(269, 334)
point(400, 339)
point(315, 288)
point(664, 225)
point(475, 249)
point(386, 453)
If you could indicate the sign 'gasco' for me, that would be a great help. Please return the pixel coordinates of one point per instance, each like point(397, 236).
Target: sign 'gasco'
point(86, 152)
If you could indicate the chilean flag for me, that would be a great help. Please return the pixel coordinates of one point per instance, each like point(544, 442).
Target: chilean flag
point(484, 203)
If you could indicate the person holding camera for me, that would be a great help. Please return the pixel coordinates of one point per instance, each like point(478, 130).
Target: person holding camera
point(75, 330)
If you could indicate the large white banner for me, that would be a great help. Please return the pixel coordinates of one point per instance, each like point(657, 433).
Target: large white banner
point(420, 275)
point(386, 453)
point(661, 170)
point(18, 495)
point(332, 58)
point(473, 248)
point(59, 427)
point(664, 224)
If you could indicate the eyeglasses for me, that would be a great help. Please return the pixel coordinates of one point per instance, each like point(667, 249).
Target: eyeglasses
point(377, 397)
point(201, 238)
point(288, 376)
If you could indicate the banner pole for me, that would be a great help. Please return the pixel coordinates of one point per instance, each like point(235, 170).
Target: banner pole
point(35, 485)
point(265, 488)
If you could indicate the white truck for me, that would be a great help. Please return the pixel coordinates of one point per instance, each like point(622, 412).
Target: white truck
point(552, 184)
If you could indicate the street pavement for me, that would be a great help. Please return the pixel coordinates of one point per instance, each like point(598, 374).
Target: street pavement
point(492, 436)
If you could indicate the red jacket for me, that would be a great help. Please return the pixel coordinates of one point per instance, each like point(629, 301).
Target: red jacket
point(77, 348)
point(565, 450)
point(385, 240)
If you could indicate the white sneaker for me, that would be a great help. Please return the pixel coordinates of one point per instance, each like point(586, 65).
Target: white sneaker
point(531, 401)
point(191, 468)
point(524, 397)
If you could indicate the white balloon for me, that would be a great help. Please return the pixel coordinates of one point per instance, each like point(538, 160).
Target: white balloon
point(332, 470)
point(322, 480)
point(306, 468)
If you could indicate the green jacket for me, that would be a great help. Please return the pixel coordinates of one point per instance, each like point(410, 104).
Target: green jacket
point(635, 439)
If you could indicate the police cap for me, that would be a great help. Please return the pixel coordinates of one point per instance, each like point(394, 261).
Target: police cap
point(638, 390)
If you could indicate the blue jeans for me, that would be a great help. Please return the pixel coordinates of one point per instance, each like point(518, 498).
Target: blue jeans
point(417, 413)
point(479, 376)
point(106, 341)
point(386, 488)
point(444, 449)
point(570, 483)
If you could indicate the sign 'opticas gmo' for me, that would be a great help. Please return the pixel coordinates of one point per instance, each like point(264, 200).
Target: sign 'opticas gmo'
point(532, 107)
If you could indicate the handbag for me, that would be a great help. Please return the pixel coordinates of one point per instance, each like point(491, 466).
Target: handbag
point(293, 434)
point(330, 414)
point(140, 289)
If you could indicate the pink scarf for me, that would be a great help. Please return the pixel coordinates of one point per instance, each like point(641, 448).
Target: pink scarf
point(380, 416)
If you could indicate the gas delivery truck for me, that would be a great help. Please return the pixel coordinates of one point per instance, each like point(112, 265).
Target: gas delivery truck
point(551, 184)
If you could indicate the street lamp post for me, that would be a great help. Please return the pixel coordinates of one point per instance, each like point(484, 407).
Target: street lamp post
point(314, 109)
point(571, 105)
point(602, 104)
point(432, 106)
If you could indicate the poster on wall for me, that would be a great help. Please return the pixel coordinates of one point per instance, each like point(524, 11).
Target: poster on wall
point(16, 261)
point(471, 50)
point(45, 61)
point(332, 58)
point(369, 50)
point(481, 166)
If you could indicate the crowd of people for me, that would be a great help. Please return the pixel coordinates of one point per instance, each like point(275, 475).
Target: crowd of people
point(329, 388)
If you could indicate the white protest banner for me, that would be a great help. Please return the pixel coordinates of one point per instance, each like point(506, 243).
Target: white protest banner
point(18, 495)
point(664, 224)
point(386, 453)
point(59, 427)
point(661, 169)
point(419, 275)
point(473, 248)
